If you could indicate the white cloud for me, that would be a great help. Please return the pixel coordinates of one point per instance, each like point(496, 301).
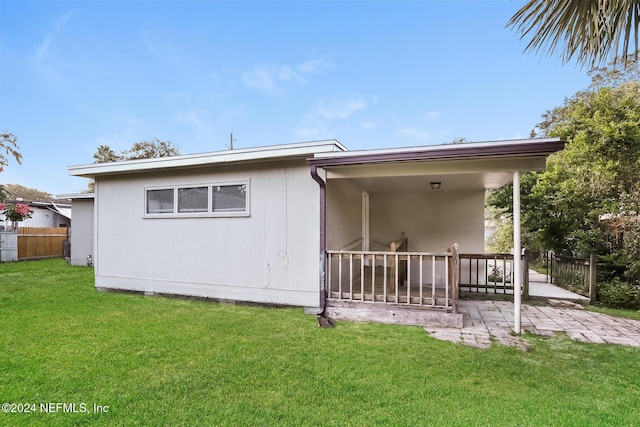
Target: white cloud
point(42, 49)
point(336, 108)
point(417, 134)
point(433, 116)
point(190, 117)
point(368, 125)
point(273, 79)
point(312, 133)
point(315, 66)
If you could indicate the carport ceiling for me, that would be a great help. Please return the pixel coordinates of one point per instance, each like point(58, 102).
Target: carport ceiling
point(454, 175)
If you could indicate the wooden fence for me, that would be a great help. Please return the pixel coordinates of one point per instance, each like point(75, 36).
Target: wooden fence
point(575, 274)
point(41, 242)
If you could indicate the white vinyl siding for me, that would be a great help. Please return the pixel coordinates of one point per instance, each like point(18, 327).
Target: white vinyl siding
point(269, 256)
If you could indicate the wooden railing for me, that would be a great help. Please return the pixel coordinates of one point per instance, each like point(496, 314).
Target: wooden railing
point(575, 274)
point(411, 278)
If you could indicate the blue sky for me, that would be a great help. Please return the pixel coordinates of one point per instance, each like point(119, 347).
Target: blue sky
point(372, 74)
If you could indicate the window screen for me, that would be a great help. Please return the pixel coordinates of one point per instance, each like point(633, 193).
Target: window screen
point(193, 199)
point(160, 201)
point(229, 198)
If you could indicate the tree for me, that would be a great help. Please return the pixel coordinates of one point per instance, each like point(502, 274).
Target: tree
point(151, 149)
point(590, 30)
point(9, 144)
point(139, 150)
point(590, 191)
point(8, 148)
point(17, 191)
point(105, 154)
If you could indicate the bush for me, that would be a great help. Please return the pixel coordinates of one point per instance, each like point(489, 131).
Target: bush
point(619, 294)
point(573, 281)
point(496, 275)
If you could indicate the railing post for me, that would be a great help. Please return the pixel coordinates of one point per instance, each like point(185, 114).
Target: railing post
point(454, 277)
point(525, 277)
point(593, 259)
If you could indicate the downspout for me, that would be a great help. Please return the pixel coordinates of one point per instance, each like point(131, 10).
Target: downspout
point(323, 237)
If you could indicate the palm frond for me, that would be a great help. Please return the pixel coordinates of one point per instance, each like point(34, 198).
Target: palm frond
point(592, 31)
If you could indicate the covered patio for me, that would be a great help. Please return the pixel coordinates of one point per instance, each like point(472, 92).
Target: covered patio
point(395, 222)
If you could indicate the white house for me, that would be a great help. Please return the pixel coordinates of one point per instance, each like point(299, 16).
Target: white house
point(44, 214)
point(293, 224)
point(81, 234)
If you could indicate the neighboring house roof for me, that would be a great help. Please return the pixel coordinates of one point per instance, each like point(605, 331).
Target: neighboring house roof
point(246, 155)
point(65, 211)
point(59, 207)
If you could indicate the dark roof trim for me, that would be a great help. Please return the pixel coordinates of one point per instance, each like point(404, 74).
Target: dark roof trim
point(461, 151)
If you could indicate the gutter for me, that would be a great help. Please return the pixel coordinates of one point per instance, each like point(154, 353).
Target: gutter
point(323, 240)
point(448, 152)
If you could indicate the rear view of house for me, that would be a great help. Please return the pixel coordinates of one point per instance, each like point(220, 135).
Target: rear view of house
point(295, 224)
point(237, 225)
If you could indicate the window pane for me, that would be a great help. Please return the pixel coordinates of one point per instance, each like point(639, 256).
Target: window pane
point(160, 201)
point(193, 199)
point(230, 198)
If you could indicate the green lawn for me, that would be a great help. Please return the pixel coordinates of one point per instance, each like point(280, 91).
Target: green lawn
point(161, 361)
point(619, 312)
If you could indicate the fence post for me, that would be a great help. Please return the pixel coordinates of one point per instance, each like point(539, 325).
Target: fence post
point(593, 259)
point(525, 275)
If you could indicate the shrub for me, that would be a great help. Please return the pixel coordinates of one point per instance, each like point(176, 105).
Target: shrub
point(619, 294)
point(573, 281)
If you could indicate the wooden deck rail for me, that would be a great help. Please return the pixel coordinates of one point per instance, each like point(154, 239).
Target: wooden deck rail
point(375, 276)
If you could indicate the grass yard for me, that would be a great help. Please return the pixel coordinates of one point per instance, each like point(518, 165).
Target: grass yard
point(161, 361)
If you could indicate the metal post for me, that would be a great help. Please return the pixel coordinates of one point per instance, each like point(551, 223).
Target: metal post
point(517, 279)
point(593, 259)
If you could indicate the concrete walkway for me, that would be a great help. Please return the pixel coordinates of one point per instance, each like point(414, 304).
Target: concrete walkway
point(547, 290)
point(488, 321)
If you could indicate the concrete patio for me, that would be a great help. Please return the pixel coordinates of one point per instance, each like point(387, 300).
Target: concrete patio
point(489, 321)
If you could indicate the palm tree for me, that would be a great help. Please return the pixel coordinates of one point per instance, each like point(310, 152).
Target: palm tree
point(590, 30)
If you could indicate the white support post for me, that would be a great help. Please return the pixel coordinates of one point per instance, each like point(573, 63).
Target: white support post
point(517, 254)
point(365, 221)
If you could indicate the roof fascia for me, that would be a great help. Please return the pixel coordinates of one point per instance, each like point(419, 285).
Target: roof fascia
point(73, 196)
point(541, 147)
point(246, 155)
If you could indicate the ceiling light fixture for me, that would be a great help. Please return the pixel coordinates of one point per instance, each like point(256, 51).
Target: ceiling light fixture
point(435, 185)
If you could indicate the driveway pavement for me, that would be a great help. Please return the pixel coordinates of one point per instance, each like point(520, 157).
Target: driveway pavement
point(488, 321)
